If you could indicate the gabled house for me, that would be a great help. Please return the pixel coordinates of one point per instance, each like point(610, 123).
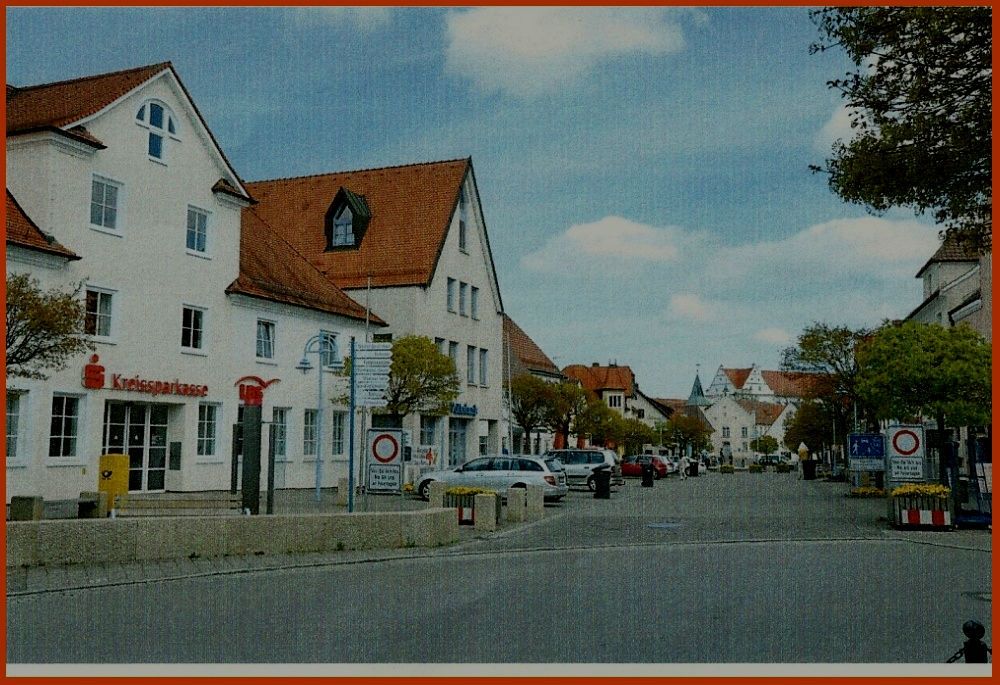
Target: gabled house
point(737, 422)
point(410, 241)
point(781, 387)
point(523, 356)
point(116, 181)
point(957, 287)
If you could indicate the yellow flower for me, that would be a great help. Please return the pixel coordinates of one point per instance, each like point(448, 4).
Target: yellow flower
point(922, 490)
point(458, 490)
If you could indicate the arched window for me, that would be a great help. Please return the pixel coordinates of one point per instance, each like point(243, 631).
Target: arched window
point(159, 121)
point(343, 228)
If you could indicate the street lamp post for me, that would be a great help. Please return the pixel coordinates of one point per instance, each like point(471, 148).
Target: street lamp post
point(318, 344)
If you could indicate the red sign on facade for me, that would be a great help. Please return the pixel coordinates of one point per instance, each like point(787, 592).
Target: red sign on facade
point(94, 378)
point(252, 389)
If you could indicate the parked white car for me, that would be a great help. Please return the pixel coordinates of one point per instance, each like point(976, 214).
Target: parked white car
point(581, 463)
point(502, 471)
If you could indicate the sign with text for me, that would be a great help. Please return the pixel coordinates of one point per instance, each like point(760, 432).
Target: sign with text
point(384, 477)
point(906, 468)
point(385, 446)
point(867, 451)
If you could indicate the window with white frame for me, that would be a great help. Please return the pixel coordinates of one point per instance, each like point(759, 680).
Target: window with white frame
point(328, 348)
point(484, 367)
point(65, 425)
point(14, 409)
point(279, 428)
point(451, 294)
point(343, 228)
point(474, 302)
point(470, 364)
point(309, 433)
point(97, 319)
point(193, 328)
point(615, 401)
point(463, 298)
point(208, 421)
point(725, 431)
point(105, 197)
point(463, 223)
point(428, 429)
point(743, 432)
point(453, 352)
point(197, 230)
point(337, 433)
point(156, 118)
point(265, 339)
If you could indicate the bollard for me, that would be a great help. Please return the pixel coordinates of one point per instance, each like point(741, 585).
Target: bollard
point(435, 493)
point(516, 505)
point(602, 484)
point(26, 508)
point(975, 648)
point(534, 502)
point(486, 513)
point(342, 487)
point(647, 475)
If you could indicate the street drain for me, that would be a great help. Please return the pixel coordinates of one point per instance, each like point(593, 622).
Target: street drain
point(667, 525)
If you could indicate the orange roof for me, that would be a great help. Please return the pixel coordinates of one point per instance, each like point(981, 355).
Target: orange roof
point(675, 405)
point(525, 353)
point(56, 106)
point(738, 376)
point(271, 269)
point(411, 210)
point(21, 230)
point(765, 413)
point(596, 378)
point(790, 383)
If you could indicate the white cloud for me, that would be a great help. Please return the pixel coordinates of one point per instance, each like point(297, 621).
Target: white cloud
point(362, 18)
point(778, 336)
point(607, 243)
point(837, 127)
point(691, 307)
point(530, 50)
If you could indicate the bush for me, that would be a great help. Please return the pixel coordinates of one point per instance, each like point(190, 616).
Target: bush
point(755, 468)
point(726, 468)
point(783, 468)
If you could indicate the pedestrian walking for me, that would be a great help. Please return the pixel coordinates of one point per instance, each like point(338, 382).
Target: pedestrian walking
point(685, 463)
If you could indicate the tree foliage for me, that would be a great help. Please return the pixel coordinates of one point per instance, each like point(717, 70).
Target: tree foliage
point(44, 328)
point(600, 423)
point(421, 378)
point(635, 434)
point(921, 108)
point(765, 444)
point(917, 369)
point(684, 430)
point(529, 401)
point(811, 424)
point(565, 401)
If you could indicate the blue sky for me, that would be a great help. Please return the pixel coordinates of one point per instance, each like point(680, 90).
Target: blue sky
point(643, 171)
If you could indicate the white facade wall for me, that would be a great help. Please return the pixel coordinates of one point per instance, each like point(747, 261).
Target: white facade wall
point(151, 274)
point(728, 414)
point(955, 281)
point(424, 311)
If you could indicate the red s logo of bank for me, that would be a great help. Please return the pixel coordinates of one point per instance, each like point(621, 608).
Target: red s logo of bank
point(93, 374)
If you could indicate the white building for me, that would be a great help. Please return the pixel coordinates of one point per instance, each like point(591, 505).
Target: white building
point(957, 286)
point(736, 423)
point(410, 240)
point(123, 187)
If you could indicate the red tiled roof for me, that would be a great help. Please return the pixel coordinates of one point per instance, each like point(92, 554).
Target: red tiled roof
point(790, 383)
point(271, 269)
point(21, 230)
point(56, 106)
point(951, 250)
point(525, 352)
point(596, 378)
point(675, 405)
point(64, 102)
point(765, 413)
point(411, 208)
point(738, 376)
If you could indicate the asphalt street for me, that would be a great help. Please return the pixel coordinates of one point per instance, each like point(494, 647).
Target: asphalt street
point(748, 568)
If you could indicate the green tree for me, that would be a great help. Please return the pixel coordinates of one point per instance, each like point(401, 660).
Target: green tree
point(684, 430)
point(529, 402)
point(44, 328)
point(917, 369)
point(565, 401)
point(420, 379)
point(601, 424)
point(921, 108)
point(635, 434)
point(811, 424)
point(765, 444)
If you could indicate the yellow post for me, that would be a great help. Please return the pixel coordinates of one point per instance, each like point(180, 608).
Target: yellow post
point(112, 477)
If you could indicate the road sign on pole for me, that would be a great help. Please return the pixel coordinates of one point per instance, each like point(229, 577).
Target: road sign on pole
point(385, 450)
point(905, 449)
point(866, 451)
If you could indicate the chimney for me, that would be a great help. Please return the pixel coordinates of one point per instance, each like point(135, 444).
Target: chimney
point(595, 365)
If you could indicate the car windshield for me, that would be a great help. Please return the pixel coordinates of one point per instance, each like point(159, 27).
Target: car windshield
point(554, 464)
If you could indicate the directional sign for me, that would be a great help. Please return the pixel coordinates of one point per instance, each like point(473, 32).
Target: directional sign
point(867, 451)
point(369, 347)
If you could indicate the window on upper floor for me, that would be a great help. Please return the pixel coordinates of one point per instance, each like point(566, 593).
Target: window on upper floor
point(615, 401)
point(453, 353)
point(470, 364)
point(192, 328)
point(158, 120)
point(451, 294)
point(343, 228)
point(743, 432)
point(484, 367)
point(725, 431)
point(265, 339)
point(98, 317)
point(474, 303)
point(197, 230)
point(463, 298)
point(105, 203)
point(440, 343)
point(463, 223)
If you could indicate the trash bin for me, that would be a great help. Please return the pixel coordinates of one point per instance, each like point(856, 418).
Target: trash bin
point(647, 475)
point(693, 468)
point(602, 484)
point(809, 469)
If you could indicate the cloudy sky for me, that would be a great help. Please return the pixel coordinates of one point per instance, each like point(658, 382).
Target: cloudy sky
point(643, 171)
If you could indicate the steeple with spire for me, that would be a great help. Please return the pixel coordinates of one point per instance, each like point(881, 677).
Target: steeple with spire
point(697, 397)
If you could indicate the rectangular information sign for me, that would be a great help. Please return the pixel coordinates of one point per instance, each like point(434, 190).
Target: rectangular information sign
point(384, 477)
point(866, 451)
point(906, 468)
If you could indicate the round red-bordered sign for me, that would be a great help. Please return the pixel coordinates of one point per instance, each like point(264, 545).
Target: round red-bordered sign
point(913, 436)
point(385, 448)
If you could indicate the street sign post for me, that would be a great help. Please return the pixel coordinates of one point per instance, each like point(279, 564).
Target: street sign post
point(385, 455)
point(906, 453)
point(372, 363)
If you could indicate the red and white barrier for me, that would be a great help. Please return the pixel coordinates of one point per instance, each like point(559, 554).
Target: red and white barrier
point(926, 517)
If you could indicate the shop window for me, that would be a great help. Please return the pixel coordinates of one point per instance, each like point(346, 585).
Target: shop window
point(428, 430)
point(337, 434)
point(279, 427)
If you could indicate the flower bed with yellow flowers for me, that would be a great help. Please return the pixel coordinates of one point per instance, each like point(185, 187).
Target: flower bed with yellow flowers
point(922, 490)
point(867, 491)
point(918, 497)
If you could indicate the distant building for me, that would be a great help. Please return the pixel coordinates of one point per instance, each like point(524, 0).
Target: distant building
point(523, 356)
point(616, 386)
point(957, 286)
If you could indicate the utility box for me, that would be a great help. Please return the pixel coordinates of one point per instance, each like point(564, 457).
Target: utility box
point(112, 477)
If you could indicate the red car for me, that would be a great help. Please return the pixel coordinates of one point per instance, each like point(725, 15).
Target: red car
point(632, 466)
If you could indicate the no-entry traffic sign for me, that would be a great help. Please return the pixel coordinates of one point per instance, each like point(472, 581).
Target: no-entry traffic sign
point(384, 445)
point(905, 441)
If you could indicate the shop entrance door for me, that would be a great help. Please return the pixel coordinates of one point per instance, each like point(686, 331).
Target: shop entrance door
point(140, 431)
point(457, 432)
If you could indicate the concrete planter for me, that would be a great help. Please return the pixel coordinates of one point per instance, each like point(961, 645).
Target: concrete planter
point(466, 506)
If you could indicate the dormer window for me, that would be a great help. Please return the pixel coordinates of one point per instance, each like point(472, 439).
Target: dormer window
point(346, 220)
point(343, 228)
point(159, 121)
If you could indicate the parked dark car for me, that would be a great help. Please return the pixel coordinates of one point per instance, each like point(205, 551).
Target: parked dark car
point(632, 465)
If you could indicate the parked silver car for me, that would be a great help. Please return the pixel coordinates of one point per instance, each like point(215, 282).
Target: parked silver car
point(581, 463)
point(502, 471)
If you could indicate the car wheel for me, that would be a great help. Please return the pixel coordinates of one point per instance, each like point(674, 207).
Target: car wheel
point(424, 490)
point(591, 484)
